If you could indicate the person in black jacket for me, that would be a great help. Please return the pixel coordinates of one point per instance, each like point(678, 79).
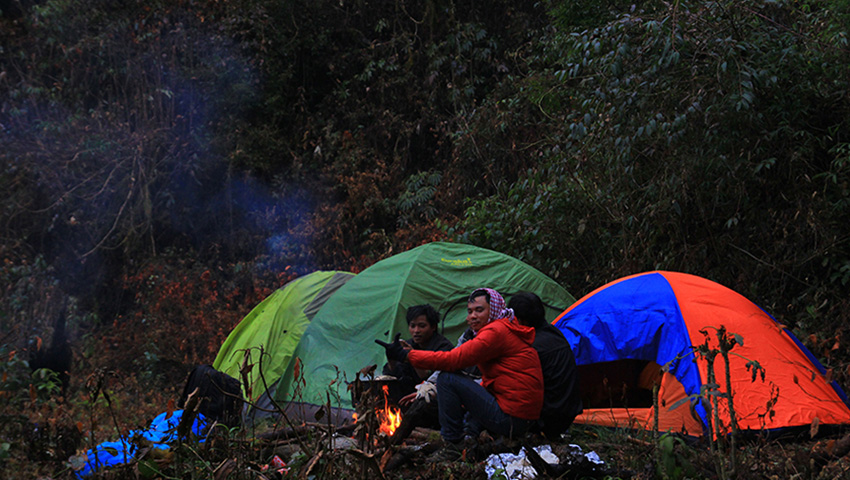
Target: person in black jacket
point(417, 388)
point(422, 321)
point(561, 397)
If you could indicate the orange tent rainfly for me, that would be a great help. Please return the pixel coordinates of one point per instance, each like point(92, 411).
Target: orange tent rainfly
point(649, 328)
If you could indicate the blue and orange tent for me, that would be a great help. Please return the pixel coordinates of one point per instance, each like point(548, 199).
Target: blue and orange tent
point(645, 329)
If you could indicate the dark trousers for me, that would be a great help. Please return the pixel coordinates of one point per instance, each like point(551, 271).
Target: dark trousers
point(463, 401)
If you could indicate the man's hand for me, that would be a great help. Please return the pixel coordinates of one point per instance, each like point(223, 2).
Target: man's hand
point(395, 351)
point(407, 399)
point(426, 391)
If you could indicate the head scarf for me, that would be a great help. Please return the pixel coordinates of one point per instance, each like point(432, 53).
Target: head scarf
point(497, 305)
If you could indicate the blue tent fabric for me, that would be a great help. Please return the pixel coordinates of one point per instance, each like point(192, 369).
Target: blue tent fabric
point(637, 318)
point(162, 431)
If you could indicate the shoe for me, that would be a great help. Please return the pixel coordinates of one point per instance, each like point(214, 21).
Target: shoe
point(450, 452)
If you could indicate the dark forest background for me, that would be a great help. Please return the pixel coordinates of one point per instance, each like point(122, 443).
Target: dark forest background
point(165, 165)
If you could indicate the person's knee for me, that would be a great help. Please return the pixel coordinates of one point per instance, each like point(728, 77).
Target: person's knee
point(446, 380)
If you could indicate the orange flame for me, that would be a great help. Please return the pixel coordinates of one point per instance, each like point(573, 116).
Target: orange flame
point(390, 416)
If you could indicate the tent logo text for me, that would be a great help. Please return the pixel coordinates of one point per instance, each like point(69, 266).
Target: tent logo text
point(458, 262)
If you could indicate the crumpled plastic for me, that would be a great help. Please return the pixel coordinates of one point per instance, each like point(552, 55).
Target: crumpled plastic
point(276, 464)
point(518, 467)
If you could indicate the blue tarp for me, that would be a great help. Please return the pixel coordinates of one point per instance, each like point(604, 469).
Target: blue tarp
point(163, 430)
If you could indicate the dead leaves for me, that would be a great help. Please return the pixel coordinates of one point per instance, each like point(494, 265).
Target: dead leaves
point(814, 427)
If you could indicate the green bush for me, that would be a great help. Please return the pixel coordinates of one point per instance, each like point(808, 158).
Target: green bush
point(706, 137)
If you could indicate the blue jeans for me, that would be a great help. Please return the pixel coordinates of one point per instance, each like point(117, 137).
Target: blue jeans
point(459, 397)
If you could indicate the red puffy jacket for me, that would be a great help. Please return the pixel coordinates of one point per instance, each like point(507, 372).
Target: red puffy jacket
point(509, 365)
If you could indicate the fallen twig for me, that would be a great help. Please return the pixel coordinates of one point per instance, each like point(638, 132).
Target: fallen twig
point(369, 460)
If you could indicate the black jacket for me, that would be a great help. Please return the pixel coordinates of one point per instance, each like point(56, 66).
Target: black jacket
point(406, 374)
point(561, 397)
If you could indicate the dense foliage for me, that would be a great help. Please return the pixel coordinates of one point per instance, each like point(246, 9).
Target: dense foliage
point(708, 138)
point(165, 164)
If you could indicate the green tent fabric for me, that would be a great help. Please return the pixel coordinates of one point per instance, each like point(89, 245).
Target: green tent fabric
point(340, 339)
point(276, 324)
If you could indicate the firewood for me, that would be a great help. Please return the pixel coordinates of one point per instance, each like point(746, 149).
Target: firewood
point(405, 454)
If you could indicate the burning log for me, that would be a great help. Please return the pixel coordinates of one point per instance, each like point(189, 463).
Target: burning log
point(416, 414)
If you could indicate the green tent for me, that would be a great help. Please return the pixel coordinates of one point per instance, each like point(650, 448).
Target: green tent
point(276, 324)
point(340, 339)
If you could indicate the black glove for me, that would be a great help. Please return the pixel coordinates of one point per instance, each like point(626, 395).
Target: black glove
point(395, 351)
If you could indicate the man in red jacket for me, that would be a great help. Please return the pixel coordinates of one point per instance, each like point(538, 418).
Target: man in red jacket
point(510, 396)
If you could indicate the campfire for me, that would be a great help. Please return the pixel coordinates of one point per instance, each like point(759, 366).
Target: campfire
point(389, 416)
point(377, 417)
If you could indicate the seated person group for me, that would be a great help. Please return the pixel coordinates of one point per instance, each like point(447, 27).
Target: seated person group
point(511, 373)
